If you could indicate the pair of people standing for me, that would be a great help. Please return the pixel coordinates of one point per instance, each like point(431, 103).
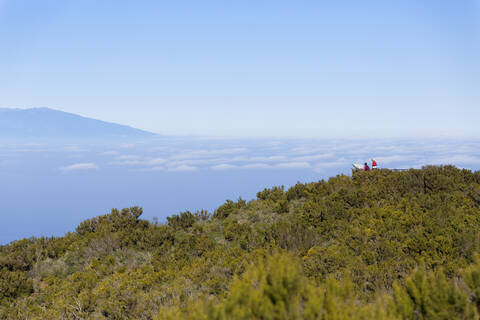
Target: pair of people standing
point(374, 166)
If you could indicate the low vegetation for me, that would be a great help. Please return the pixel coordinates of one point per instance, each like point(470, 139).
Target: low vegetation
point(378, 245)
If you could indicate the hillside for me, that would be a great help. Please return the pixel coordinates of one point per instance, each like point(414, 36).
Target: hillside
point(378, 245)
point(49, 123)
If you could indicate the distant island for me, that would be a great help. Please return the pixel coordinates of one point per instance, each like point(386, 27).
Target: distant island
point(378, 245)
point(49, 123)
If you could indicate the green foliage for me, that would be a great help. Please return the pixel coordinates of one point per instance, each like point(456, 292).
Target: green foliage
point(273, 194)
point(182, 221)
point(471, 276)
point(269, 289)
point(228, 208)
point(432, 296)
point(377, 245)
point(14, 284)
point(117, 220)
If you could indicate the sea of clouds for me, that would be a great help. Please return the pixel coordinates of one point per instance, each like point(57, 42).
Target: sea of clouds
point(193, 154)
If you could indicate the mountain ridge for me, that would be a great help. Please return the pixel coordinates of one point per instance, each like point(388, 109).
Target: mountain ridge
point(45, 122)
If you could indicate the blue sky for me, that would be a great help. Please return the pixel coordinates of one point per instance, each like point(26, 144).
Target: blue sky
point(249, 68)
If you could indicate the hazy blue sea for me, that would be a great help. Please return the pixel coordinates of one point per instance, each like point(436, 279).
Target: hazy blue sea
point(47, 188)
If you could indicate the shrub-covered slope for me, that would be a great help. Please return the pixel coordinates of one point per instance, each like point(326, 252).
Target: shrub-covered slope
point(378, 245)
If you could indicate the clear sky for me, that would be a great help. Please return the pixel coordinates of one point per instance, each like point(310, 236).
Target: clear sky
point(249, 68)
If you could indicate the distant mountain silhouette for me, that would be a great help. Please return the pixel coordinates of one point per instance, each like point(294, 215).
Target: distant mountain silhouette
point(50, 123)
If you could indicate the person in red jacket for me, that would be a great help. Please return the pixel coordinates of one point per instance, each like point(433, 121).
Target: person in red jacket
point(374, 164)
point(366, 167)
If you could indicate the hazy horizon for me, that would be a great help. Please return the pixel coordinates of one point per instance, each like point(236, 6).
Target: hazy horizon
point(432, 135)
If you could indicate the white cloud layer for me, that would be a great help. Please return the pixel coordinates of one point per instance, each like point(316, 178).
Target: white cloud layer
point(223, 166)
point(320, 156)
point(79, 167)
point(182, 168)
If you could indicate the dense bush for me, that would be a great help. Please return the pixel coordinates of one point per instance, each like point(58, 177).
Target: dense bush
point(228, 208)
point(377, 245)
